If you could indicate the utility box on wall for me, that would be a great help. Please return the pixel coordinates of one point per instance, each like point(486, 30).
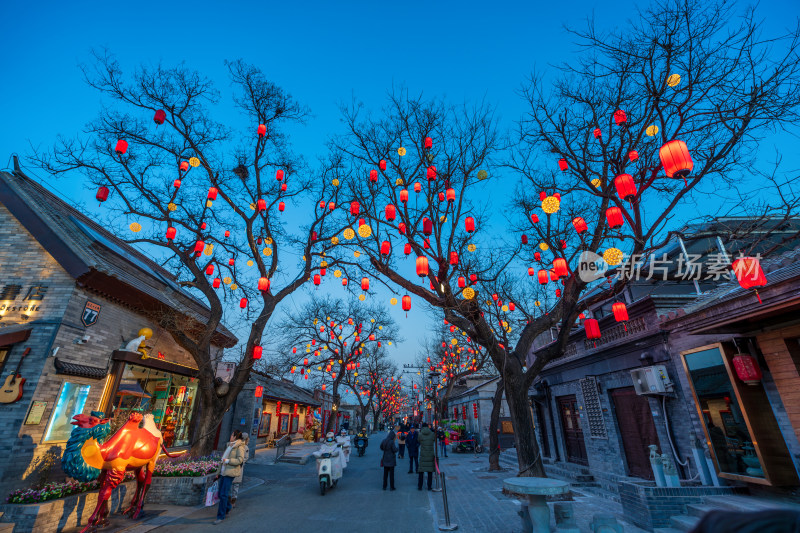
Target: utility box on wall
point(651, 380)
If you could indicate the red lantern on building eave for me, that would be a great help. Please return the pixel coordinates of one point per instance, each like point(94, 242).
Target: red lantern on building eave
point(259, 391)
point(676, 160)
point(160, 117)
point(102, 194)
point(580, 225)
point(592, 329)
point(543, 277)
point(563, 165)
point(626, 188)
point(747, 368)
point(121, 147)
point(749, 274)
point(614, 217)
point(620, 311)
point(257, 352)
point(560, 267)
point(422, 266)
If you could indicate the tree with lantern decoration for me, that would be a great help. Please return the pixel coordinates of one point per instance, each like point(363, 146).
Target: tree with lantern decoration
point(366, 385)
point(332, 336)
point(205, 200)
point(651, 117)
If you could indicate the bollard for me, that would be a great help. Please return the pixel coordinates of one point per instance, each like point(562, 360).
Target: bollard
point(437, 487)
point(446, 525)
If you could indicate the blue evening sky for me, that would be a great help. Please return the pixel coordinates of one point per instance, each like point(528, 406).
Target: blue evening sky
point(322, 52)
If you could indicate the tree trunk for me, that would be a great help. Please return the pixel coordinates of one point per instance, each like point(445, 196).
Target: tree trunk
point(494, 428)
point(528, 456)
point(210, 412)
point(375, 421)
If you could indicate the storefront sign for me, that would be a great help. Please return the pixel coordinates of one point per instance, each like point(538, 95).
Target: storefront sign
point(35, 414)
point(29, 298)
point(91, 311)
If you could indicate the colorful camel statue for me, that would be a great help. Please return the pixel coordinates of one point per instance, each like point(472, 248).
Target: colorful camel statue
point(134, 447)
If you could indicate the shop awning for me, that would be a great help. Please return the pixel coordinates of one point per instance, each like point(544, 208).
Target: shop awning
point(7, 338)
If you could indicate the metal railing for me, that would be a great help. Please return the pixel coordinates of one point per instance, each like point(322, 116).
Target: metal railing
point(280, 447)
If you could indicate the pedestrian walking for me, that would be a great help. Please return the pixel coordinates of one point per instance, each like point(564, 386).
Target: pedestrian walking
point(427, 455)
point(388, 461)
point(230, 467)
point(238, 480)
point(441, 436)
point(401, 442)
point(412, 445)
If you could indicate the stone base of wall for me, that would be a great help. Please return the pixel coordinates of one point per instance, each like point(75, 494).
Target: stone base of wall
point(650, 507)
point(75, 510)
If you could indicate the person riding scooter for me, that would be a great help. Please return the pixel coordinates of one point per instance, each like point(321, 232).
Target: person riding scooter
point(329, 463)
point(344, 441)
point(362, 441)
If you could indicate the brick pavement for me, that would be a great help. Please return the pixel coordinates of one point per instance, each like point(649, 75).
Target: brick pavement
point(478, 505)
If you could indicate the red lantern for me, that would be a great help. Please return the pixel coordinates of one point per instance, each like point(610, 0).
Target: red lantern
point(633, 155)
point(558, 293)
point(537, 256)
point(511, 306)
point(176, 184)
point(216, 283)
point(407, 249)
point(620, 311)
point(184, 166)
point(317, 279)
point(279, 174)
point(160, 117)
point(524, 239)
point(620, 117)
point(122, 147)
point(263, 284)
point(364, 284)
point(431, 173)
point(563, 165)
point(262, 130)
point(592, 328)
point(453, 258)
point(749, 274)
point(462, 282)
point(542, 277)
point(355, 207)
point(451, 195)
point(427, 226)
point(373, 175)
point(227, 233)
point(281, 206)
point(243, 303)
point(747, 369)
point(406, 303)
point(199, 246)
point(676, 159)
point(209, 269)
point(535, 219)
point(261, 205)
point(597, 133)
point(614, 217)
point(404, 195)
point(580, 225)
point(171, 232)
point(283, 186)
point(422, 266)
point(560, 267)
point(553, 275)
point(531, 271)
point(391, 212)
point(259, 391)
point(102, 194)
point(428, 143)
point(212, 193)
point(386, 248)
point(382, 164)
point(469, 224)
point(626, 188)
point(257, 352)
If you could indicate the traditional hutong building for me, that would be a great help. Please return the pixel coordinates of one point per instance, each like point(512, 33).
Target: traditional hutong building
point(79, 310)
point(471, 405)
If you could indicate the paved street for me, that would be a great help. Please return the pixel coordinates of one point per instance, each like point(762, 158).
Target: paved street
point(289, 500)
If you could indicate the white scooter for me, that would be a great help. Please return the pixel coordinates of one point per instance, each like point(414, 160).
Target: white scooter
point(329, 466)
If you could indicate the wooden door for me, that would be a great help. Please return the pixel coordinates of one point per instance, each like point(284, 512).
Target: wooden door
point(637, 430)
point(573, 434)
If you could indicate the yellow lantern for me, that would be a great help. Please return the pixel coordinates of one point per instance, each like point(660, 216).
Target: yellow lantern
point(337, 273)
point(543, 246)
point(613, 256)
point(393, 301)
point(267, 240)
point(597, 182)
point(362, 297)
point(234, 287)
point(401, 151)
point(335, 182)
point(652, 130)
point(551, 204)
point(442, 219)
point(135, 227)
point(334, 240)
point(372, 320)
point(673, 80)
point(364, 231)
point(193, 161)
point(171, 206)
point(453, 341)
point(471, 247)
point(537, 303)
point(267, 251)
point(468, 293)
point(482, 174)
point(398, 182)
point(323, 264)
point(390, 343)
point(209, 249)
point(348, 233)
point(505, 309)
point(209, 203)
point(249, 262)
point(356, 254)
point(252, 207)
point(227, 280)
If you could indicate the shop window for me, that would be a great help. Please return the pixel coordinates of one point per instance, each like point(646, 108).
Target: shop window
point(295, 423)
point(283, 423)
point(264, 424)
point(71, 401)
point(169, 397)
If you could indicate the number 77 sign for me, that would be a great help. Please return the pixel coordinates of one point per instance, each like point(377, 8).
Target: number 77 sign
point(90, 313)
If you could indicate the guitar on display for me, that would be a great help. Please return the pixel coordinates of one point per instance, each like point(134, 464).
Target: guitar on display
point(11, 390)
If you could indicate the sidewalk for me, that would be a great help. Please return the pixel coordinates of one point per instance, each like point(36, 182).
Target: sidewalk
point(297, 453)
point(477, 503)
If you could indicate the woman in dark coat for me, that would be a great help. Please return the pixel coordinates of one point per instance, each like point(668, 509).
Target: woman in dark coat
point(427, 440)
point(389, 461)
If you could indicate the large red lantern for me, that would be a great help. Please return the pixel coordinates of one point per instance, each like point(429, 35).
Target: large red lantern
point(747, 368)
point(365, 284)
point(469, 224)
point(257, 352)
point(102, 194)
point(122, 147)
point(543, 279)
point(626, 188)
point(160, 117)
point(427, 226)
point(560, 267)
point(749, 274)
point(676, 159)
point(406, 303)
point(386, 248)
point(592, 328)
point(422, 266)
point(263, 284)
point(620, 311)
point(404, 195)
point(580, 225)
point(391, 212)
point(563, 165)
point(614, 217)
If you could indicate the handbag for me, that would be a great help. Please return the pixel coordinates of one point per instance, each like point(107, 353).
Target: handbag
point(212, 494)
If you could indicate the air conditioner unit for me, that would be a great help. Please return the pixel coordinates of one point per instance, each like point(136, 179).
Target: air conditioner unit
point(651, 380)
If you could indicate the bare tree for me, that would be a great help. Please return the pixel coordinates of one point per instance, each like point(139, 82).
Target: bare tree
point(378, 366)
point(206, 200)
point(681, 71)
point(333, 336)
